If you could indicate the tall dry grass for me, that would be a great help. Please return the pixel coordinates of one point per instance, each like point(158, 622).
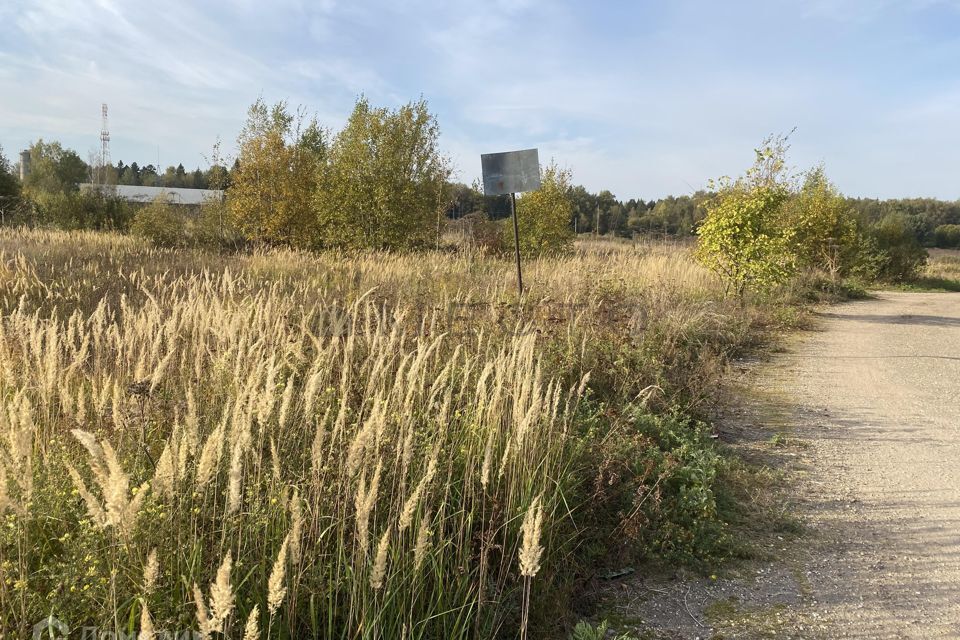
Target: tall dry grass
point(943, 264)
point(295, 445)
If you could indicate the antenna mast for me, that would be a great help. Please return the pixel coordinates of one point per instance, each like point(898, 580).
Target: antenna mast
point(104, 146)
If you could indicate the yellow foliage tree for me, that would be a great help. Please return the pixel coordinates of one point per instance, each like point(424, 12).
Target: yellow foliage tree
point(270, 198)
point(742, 238)
point(820, 226)
point(544, 216)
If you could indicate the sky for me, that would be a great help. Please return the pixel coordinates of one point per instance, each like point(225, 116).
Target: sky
point(645, 99)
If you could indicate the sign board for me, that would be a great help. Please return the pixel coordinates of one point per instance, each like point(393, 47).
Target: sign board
point(510, 172)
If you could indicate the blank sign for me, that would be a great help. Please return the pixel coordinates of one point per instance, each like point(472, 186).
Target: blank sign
point(510, 172)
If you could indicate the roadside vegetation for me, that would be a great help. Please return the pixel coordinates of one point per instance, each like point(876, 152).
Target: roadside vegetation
point(348, 445)
point(318, 408)
point(941, 272)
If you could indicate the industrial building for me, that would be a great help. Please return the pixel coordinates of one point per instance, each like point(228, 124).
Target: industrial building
point(144, 195)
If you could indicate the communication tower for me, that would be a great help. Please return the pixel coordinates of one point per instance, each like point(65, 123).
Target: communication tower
point(104, 146)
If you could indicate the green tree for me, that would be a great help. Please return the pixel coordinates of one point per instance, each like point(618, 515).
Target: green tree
point(901, 252)
point(544, 215)
point(384, 185)
point(741, 238)
point(584, 206)
point(464, 200)
point(947, 236)
point(270, 198)
point(180, 176)
point(54, 169)
point(169, 178)
point(198, 180)
point(149, 176)
point(606, 202)
point(130, 175)
point(9, 189)
point(922, 215)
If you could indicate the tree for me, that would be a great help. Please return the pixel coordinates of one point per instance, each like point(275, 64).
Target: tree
point(148, 176)
point(169, 178)
point(54, 169)
point(130, 175)
point(741, 238)
point(180, 176)
point(9, 189)
point(270, 198)
point(819, 225)
point(922, 215)
point(464, 200)
point(947, 236)
point(543, 216)
point(198, 179)
point(606, 212)
point(384, 185)
point(901, 253)
point(583, 207)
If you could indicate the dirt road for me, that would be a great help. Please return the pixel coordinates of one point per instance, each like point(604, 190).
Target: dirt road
point(869, 406)
point(880, 384)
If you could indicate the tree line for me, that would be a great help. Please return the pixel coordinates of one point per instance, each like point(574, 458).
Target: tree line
point(177, 177)
point(379, 182)
point(598, 213)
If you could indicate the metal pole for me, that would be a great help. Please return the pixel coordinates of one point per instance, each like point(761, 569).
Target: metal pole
point(516, 240)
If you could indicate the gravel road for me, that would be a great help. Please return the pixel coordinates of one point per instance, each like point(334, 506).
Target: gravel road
point(879, 384)
point(869, 404)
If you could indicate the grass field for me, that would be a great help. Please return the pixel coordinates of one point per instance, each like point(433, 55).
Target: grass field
point(941, 273)
point(347, 445)
point(943, 269)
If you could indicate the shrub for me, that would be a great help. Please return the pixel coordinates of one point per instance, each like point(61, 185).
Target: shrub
point(213, 228)
point(741, 238)
point(947, 236)
point(683, 520)
point(482, 232)
point(161, 223)
point(79, 210)
point(167, 225)
point(898, 255)
point(822, 231)
point(543, 216)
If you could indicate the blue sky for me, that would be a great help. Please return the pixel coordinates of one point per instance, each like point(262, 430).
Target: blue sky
point(644, 98)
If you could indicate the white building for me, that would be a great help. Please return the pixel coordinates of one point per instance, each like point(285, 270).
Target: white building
point(145, 195)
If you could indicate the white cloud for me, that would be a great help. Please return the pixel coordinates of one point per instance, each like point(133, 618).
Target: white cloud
point(645, 99)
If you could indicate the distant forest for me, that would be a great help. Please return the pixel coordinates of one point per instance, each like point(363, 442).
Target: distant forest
point(935, 223)
point(148, 176)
